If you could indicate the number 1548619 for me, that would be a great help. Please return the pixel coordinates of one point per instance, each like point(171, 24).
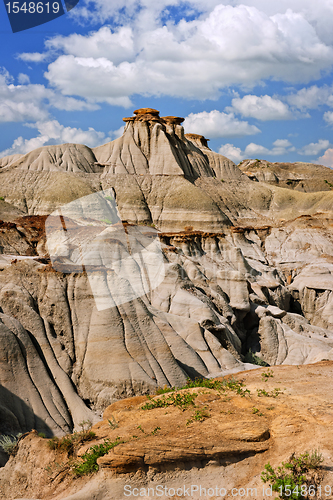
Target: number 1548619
point(33, 8)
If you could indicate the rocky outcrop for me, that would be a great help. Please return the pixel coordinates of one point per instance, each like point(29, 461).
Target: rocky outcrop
point(299, 176)
point(223, 440)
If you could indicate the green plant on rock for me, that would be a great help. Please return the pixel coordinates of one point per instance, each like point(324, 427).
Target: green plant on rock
point(199, 416)
point(70, 442)
point(296, 478)
point(8, 442)
point(164, 390)
point(85, 425)
point(231, 384)
point(88, 463)
point(273, 394)
point(181, 400)
point(113, 424)
point(266, 375)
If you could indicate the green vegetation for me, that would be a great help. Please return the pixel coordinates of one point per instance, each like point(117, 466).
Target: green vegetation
point(113, 423)
point(231, 384)
point(164, 390)
point(107, 221)
point(273, 394)
point(109, 198)
point(250, 357)
point(70, 442)
point(256, 411)
point(2, 198)
point(88, 463)
point(182, 401)
point(329, 183)
point(155, 431)
point(266, 375)
point(199, 416)
point(293, 479)
point(8, 443)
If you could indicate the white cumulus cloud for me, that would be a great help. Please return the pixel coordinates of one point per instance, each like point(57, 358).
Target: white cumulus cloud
point(328, 117)
point(311, 97)
point(232, 152)
point(314, 148)
point(52, 132)
point(253, 150)
point(31, 102)
point(229, 45)
point(262, 108)
point(218, 124)
point(327, 158)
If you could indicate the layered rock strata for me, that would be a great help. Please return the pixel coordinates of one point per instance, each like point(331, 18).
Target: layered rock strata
point(235, 272)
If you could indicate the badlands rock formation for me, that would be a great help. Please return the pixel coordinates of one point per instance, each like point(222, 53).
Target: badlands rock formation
point(161, 260)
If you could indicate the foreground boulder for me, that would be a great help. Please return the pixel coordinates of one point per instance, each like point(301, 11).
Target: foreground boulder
point(223, 439)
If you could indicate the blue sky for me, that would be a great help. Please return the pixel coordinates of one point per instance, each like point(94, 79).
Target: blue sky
point(253, 76)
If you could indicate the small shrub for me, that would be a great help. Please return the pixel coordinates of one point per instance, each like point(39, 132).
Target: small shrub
point(155, 431)
point(250, 357)
point(88, 463)
point(42, 435)
point(85, 425)
point(273, 394)
point(295, 479)
point(113, 423)
point(199, 416)
point(164, 390)
point(70, 442)
point(2, 198)
point(315, 459)
point(266, 375)
point(219, 385)
point(231, 384)
point(182, 401)
point(256, 411)
point(8, 443)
